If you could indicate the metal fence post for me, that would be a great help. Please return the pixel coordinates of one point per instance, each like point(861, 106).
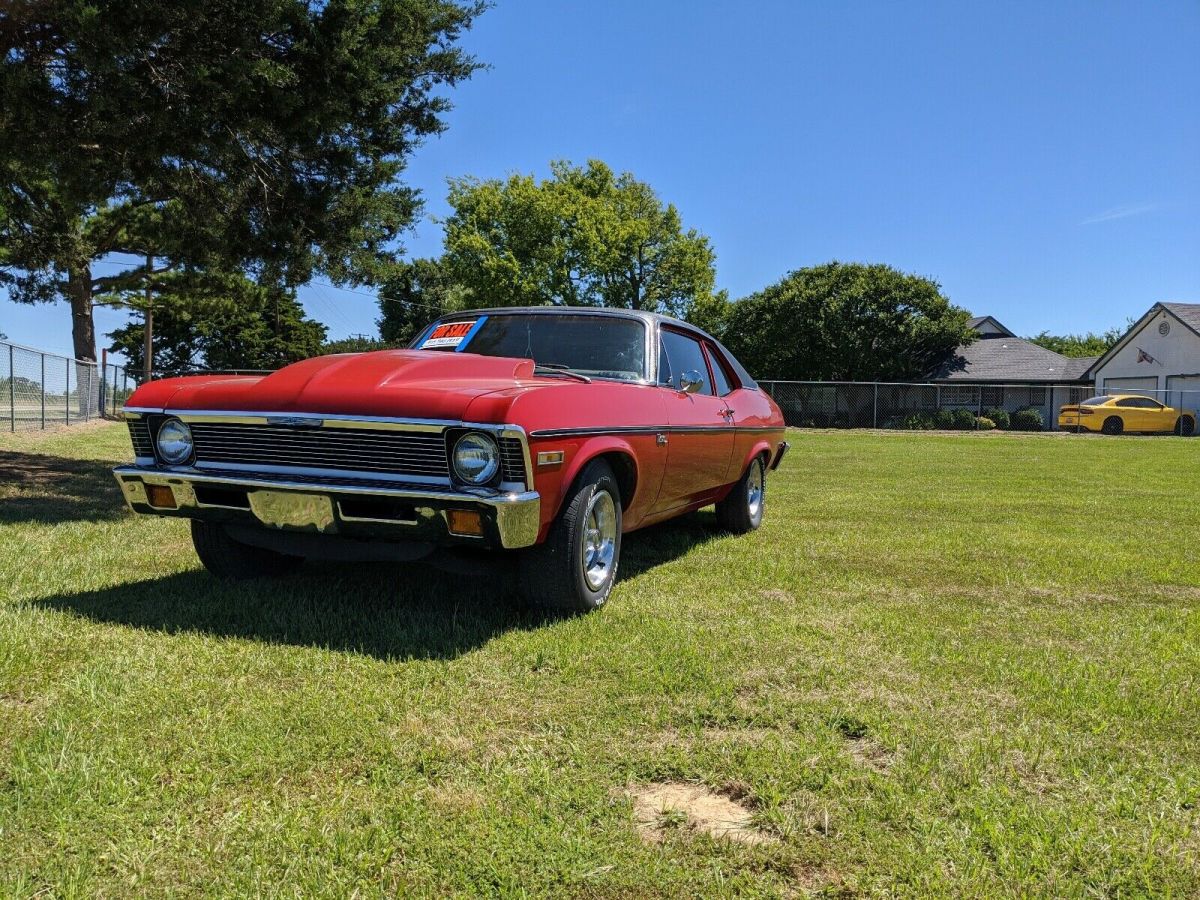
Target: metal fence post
point(43, 355)
point(67, 396)
point(875, 413)
point(12, 391)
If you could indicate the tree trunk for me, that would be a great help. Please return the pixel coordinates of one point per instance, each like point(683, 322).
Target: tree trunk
point(83, 328)
point(83, 333)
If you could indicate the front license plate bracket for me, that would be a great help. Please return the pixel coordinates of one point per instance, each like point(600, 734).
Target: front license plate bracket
point(294, 510)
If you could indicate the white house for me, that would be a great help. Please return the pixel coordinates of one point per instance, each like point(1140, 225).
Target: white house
point(1158, 356)
point(1001, 370)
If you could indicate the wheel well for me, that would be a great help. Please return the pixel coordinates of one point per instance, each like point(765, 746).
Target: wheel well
point(625, 471)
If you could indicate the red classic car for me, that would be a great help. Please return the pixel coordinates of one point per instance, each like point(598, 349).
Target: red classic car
point(552, 431)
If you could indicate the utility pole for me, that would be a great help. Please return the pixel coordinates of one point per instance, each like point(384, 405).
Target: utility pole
point(148, 349)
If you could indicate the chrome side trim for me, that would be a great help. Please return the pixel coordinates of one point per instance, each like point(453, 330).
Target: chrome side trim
point(654, 429)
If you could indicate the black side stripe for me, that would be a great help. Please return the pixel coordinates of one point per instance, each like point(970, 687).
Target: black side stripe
point(654, 429)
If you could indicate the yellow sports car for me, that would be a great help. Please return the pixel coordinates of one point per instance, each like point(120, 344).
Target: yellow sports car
point(1117, 413)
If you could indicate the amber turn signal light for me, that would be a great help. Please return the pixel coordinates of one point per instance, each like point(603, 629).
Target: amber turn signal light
point(465, 522)
point(161, 496)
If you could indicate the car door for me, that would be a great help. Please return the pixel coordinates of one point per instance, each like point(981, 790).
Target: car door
point(699, 430)
point(1151, 414)
point(1140, 413)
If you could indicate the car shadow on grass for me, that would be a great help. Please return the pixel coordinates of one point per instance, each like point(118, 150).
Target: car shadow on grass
point(35, 487)
point(390, 612)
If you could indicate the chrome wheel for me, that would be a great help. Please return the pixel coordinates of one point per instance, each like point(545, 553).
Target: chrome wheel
point(599, 539)
point(754, 490)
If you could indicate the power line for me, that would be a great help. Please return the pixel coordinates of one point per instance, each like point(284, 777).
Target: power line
point(437, 309)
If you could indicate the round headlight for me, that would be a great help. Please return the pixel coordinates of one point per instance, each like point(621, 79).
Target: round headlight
point(476, 458)
point(174, 442)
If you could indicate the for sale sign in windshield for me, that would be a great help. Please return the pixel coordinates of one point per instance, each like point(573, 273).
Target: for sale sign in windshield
point(449, 335)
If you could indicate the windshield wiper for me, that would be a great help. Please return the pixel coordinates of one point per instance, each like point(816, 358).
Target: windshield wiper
point(560, 369)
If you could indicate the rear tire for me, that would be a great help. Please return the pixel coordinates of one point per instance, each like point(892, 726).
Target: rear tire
point(574, 569)
point(1113, 425)
point(742, 510)
point(233, 561)
point(1185, 425)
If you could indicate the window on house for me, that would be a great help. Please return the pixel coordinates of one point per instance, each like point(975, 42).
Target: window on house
point(960, 395)
point(993, 396)
point(1037, 396)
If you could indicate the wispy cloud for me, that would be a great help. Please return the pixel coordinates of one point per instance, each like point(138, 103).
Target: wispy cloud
point(1125, 211)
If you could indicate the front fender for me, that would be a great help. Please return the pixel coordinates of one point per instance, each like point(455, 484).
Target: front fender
point(643, 457)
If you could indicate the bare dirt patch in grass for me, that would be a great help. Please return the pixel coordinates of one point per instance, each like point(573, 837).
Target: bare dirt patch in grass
point(778, 595)
point(657, 807)
point(871, 754)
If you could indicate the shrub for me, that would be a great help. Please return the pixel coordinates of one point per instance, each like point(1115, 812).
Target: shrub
point(983, 423)
point(918, 421)
point(943, 419)
point(999, 416)
point(963, 420)
point(1028, 420)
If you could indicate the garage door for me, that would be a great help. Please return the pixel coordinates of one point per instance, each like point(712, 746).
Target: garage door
point(1184, 391)
point(1143, 385)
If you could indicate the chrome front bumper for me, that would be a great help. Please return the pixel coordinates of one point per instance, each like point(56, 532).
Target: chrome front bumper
point(348, 507)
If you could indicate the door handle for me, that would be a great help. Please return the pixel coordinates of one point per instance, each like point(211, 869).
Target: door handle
point(727, 413)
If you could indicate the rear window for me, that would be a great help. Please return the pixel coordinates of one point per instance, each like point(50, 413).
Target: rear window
point(1096, 401)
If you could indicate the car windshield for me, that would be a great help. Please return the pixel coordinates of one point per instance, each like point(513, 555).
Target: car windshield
point(595, 346)
point(1096, 401)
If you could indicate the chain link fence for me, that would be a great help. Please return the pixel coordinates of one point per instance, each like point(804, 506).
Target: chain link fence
point(42, 390)
point(1021, 407)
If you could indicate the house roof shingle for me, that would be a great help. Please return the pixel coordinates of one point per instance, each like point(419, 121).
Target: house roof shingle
point(1187, 313)
point(1011, 360)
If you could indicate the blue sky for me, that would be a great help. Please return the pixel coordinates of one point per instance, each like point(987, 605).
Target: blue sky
point(1040, 160)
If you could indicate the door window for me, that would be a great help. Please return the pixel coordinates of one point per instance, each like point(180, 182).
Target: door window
point(721, 380)
point(1139, 403)
point(679, 354)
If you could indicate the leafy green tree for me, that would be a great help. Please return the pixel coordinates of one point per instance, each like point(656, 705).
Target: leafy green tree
point(223, 134)
point(220, 322)
point(1076, 345)
point(846, 322)
point(712, 313)
point(584, 237)
point(358, 343)
point(422, 290)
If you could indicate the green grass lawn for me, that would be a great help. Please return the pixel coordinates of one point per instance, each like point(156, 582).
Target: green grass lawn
point(958, 665)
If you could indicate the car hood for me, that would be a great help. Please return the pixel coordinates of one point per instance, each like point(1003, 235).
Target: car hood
point(394, 383)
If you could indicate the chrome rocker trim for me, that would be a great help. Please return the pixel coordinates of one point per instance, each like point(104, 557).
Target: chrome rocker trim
point(511, 519)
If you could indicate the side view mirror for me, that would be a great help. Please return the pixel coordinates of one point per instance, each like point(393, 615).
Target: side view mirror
point(691, 381)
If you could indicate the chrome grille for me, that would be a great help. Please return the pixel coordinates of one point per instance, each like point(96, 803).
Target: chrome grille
point(139, 434)
point(352, 449)
point(512, 460)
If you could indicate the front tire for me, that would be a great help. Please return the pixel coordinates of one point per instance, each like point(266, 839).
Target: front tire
point(574, 569)
point(742, 510)
point(234, 561)
point(1113, 425)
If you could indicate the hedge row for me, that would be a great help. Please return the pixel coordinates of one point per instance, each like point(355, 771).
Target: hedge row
point(965, 420)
